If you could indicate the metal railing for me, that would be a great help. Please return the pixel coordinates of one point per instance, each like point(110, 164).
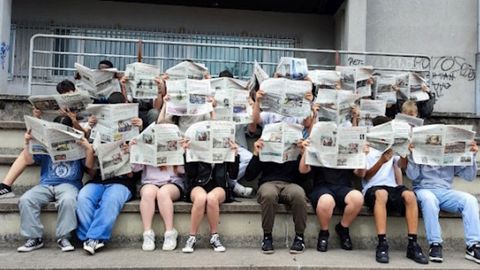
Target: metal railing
point(237, 58)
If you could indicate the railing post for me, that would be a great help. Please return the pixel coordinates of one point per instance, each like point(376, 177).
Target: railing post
point(139, 50)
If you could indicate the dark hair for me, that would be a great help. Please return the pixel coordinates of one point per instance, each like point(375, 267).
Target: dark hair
point(116, 98)
point(380, 120)
point(106, 63)
point(225, 73)
point(64, 120)
point(65, 86)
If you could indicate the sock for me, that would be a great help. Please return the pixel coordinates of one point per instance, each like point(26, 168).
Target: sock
point(267, 235)
point(382, 238)
point(299, 235)
point(323, 234)
point(412, 238)
point(341, 229)
point(9, 188)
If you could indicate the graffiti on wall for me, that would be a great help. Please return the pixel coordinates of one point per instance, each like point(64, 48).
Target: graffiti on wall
point(4, 48)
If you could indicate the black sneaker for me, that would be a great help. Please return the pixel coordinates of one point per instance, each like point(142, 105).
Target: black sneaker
point(344, 235)
point(473, 253)
point(298, 246)
point(435, 253)
point(6, 191)
point(414, 252)
point(322, 243)
point(381, 254)
point(31, 244)
point(65, 245)
point(267, 245)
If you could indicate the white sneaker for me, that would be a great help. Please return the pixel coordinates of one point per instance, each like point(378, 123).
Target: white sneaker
point(190, 244)
point(170, 240)
point(216, 244)
point(242, 191)
point(148, 240)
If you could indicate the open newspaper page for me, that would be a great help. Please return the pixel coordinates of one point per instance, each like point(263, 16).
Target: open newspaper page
point(189, 97)
point(114, 121)
point(393, 134)
point(384, 88)
point(141, 80)
point(442, 145)
point(280, 142)
point(210, 142)
point(54, 139)
point(411, 120)
point(228, 83)
point(336, 147)
point(415, 86)
point(232, 102)
point(292, 68)
point(258, 76)
point(113, 159)
point(335, 105)
point(51, 104)
point(158, 145)
point(355, 79)
point(98, 83)
point(286, 97)
point(187, 70)
point(325, 79)
point(370, 109)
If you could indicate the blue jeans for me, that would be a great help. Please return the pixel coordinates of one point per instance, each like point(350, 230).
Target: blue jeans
point(431, 201)
point(98, 207)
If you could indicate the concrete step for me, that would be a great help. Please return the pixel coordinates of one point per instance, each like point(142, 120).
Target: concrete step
point(112, 257)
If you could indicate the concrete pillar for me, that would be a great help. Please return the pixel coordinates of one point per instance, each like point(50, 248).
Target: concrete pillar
point(5, 21)
point(355, 27)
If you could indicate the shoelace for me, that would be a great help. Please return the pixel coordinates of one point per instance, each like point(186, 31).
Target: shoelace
point(64, 242)
point(216, 241)
point(31, 242)
point(190, 241)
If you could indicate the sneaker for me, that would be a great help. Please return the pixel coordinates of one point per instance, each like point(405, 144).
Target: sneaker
point(322, 243)
point(381, 254)
point(298, 246)
point(65, 245)
point(414, 252)
point(31, 244)
point(190, 244)
point(6, 191)
point(170, 240)
point(344, 235)
point(267, 245)
point(91, 246)
point(473, 253)
point(242, 191)
point(216, 244)
point(148, 240)
point(435, 253)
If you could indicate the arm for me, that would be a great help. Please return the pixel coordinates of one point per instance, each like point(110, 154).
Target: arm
point(255, 166)
point(303, 168)
point(89, 157)
point(27, 157)
point(398, 174)
point(162, 117)
point(162, 91)
point(385, 157)
point(233, 167)
point(257, 120)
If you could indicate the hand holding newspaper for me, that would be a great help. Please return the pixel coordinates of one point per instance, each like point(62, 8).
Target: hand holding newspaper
point(393, 135)
point(54, 139)
point(370, 109)
point(141, 80)
point(113, 158)
point(336, 147)
point(210, 142)
point(114, 121)
point(187, 70)
point(189, 97)
point(292, 68)
point(233, 100)
point(257, 78)
point(98, 83)
point(356, 79)
point(280, 142)
point(335, 105)
point(415, 87)
point(158, 145)
point(286, 97)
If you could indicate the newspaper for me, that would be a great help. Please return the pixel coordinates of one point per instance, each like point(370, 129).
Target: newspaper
point(325, 79)
point(442, 145)
point(210, 142)
point(98, 83)
point(415, 87)
point(114, 121)
point(113, 158)
point(370, 109)
point(411, 120)
point(335, 105)
point(393, 135)
point(54, 139)
point(158, 145)
point(187, 70)
point(280, 142)
point(227, 83)
point(141, 81)
point(188, 97)
point(355, 79)
point(51, 104)
point(258, 76)
point(286, 97)
point(233, 105)
point(384, 86)
point(336, 147)
point(292, 68)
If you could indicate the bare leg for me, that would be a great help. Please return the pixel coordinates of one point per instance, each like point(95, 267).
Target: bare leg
point(16, 169)
point(354, 202)
point(147, 205)
point(199, 200)
point(214, 199)
point(324, 210)
point(411, 211)
point(166, 195)
point(380, 211)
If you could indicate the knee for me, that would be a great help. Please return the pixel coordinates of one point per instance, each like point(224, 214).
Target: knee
point(470, 201)
point(355, 198)
point(297, 195)
point(200, 200)
point(162, 195)
point(326, 203)
point(149, 194)
point(428, 200)
point(68, 202)
point(409, 197)
point(26, 201)
point(381, 196)
point(212, 200)
point(267, 196)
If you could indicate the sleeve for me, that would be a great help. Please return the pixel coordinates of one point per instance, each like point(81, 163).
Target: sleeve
point(38, 159)
point(233, 167)
point(413, 169)
point(371, 160)
point(191, 169)
point(265, 118)
point(254, 168)
point(468, 173)
point(396, 159)
point(137, 167)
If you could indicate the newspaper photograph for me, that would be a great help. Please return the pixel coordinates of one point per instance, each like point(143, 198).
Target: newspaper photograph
point(158, 145)
point(356, 79)
point(51, 104)
point(442, 145)
point(370, 109)
point(189, 97)
point(280, 142)
point(292, 68)
point(393, 135)
point(336, 147)
point(335, 105)
point(98, 83)
point(325, 79)
point(187, 70)
point(286, 97)
point(114, 121)
point(113, 159)
point(258, 76)
point(411, 120)
point(210, 142)
point(384, 88)
point(415, 87)
point(141, 80)
point(54, 139)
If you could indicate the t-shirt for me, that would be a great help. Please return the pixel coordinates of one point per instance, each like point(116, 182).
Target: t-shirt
point(240, 137)
point(385, 176)
point(331, 176)
point(52, 174)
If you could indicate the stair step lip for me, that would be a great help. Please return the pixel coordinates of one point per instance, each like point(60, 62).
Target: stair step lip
point(15, 125)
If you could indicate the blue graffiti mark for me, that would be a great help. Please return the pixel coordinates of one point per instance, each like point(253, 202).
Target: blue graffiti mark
point(4, 48)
